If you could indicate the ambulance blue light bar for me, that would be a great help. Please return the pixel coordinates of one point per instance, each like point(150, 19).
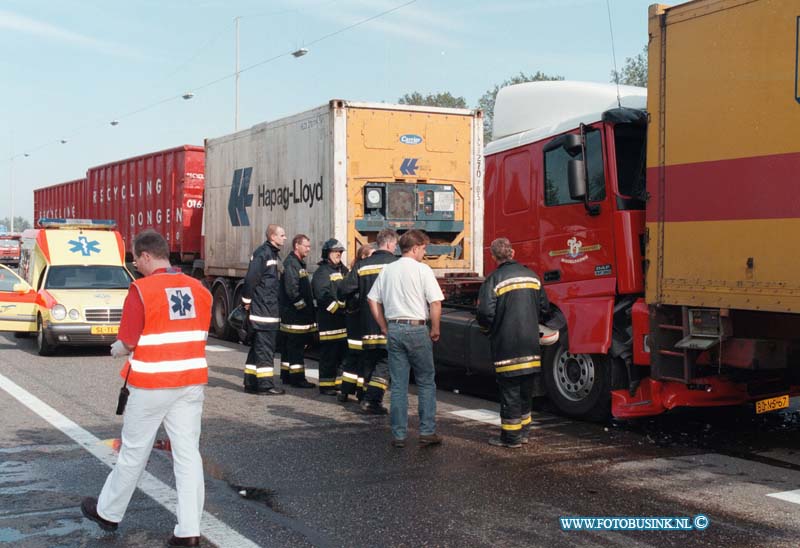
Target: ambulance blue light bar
point(97, 224)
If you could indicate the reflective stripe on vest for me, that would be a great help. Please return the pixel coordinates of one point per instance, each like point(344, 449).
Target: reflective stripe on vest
point(170, 352)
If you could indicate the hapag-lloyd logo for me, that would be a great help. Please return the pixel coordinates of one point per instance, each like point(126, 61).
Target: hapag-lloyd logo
point(410, 139)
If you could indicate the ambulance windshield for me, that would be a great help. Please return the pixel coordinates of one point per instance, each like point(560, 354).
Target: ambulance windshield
point(87, 277)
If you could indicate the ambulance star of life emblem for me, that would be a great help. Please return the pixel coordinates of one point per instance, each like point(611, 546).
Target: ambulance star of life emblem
point(181, 303)
point(83, 246)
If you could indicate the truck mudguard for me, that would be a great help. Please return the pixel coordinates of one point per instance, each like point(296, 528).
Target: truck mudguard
point(589, 322)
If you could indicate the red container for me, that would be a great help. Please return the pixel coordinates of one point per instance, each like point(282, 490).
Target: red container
point(162, 190)
point(65, 200)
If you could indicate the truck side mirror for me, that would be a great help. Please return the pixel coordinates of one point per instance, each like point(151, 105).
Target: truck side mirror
point(570, 142)
point(576, 177)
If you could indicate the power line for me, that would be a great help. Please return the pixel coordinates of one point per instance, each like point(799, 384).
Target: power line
point(220, 79)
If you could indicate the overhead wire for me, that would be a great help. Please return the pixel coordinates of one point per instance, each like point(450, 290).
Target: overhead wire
point(220, 79)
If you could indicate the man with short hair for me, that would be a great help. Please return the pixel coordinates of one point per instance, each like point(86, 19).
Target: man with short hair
point(164, 328)
point(375, 360)
point(330, 316)
point(260, 299)
point(511, 303)
point(297, 313)
point(400, 300)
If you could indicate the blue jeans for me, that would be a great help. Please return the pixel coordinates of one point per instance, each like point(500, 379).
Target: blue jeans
point(410, 347)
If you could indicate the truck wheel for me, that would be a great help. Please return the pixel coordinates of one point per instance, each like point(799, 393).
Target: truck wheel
point(578, 384)
point(45, 348)
point(219, 314)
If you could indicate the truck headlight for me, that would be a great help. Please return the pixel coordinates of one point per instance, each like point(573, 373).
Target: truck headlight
point(74, 314)
point(59, 312)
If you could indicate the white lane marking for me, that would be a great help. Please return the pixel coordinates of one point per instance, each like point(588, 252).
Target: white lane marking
point(789, 496)
point(480, 415)
point(218, 348)
point(213, 529)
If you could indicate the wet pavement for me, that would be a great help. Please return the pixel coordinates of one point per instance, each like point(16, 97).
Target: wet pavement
point(304, 470)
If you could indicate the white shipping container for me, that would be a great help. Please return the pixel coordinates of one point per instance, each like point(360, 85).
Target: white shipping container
point(308, 173)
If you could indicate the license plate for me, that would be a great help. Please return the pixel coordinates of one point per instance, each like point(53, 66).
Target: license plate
point(107, 330)
point(772, 404)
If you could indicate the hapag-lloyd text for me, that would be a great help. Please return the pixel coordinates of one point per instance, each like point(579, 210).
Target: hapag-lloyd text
point(298, 193)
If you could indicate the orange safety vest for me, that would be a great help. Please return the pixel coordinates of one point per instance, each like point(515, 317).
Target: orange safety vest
point(171, 351)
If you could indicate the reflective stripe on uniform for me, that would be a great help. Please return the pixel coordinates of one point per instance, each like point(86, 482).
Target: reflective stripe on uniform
point(336, 276)
point(301, 304)
point(333, 307)
point(369, 270)
point(354, 344)
point(526, 419)
point(285, 366)
point(512, 427)
point(264, 319)
point(333, 334)
point(167, 366)
point(520, 282)
point(172, 338)
point(326, 382)
point(374, 340)
point(259, 372)
point(307, 328)
point(535, 364)
point(378, 382)
point(296, 367)
point(272, 262)
point(246, 301)
point(349, 377)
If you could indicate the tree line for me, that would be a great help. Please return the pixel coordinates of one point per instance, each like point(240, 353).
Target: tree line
point(633, 73)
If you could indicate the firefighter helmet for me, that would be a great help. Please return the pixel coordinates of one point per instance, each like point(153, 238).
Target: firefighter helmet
point(331, 245)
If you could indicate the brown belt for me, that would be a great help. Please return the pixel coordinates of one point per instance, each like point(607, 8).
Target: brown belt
point(408, 322)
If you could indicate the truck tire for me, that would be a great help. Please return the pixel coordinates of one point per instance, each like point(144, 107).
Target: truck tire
point(578, 384)
point(220, 309)
point(43, 346)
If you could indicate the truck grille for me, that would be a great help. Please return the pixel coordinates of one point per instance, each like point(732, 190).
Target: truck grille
point(103, 315)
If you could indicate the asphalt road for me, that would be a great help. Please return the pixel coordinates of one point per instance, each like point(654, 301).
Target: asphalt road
point(304, 470)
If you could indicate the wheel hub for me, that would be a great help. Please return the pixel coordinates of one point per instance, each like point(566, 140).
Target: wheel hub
point(574, 375)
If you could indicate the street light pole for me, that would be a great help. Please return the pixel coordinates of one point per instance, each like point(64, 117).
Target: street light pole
point(236, 114)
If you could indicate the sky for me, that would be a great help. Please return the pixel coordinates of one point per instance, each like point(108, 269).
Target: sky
point(70, 67)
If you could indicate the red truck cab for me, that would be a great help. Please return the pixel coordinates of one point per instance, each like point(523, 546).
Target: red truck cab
point(10, 249)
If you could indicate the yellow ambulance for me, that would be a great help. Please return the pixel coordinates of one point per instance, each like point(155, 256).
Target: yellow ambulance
point(72, 285)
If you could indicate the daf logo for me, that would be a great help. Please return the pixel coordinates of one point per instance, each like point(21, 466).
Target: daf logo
point(410, 139)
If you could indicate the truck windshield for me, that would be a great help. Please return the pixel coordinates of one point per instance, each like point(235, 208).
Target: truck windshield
point(9, 244)
point(631, 145)
point(87, 277)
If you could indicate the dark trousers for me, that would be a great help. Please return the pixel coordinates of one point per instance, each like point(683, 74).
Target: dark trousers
point(351, 371)
point(258, 368)
point(295, 357)
point(515, 406)
point(331, 356)
point(376, 374)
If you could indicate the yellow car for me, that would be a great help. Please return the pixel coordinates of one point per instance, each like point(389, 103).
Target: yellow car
point(77, 270)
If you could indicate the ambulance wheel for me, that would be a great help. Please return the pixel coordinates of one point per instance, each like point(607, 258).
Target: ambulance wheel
point(578, 384)
point(219, 314)
point(45, 348)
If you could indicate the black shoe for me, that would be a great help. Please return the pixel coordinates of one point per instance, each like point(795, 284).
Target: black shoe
point(341, 397)
point(500, 442)
point(183, 541)
point(525, 439)
point(371, 408)
point(274, 392)
point(248, 390)
point(429, 439)
point(398, 443)
point(89, 511)
point(303, 384)
point(328, 392)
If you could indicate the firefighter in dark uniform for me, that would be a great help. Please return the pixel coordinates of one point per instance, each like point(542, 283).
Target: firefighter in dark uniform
point(511, 303)
point(260, 299)
point(297, 313)
point(353, 371)
point(375, 359)
point(330, 316)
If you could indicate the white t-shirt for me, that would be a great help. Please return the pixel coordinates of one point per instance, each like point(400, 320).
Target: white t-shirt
point(405, 288)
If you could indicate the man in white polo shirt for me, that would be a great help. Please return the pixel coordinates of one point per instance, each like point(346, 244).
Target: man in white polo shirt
point(399, 301)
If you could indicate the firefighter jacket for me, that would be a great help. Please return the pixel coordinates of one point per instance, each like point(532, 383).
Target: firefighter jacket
point(261, 286)
point(511, 301)
point(360, 281)
point(330, 310)
point(296, 299)
point(171, 351)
